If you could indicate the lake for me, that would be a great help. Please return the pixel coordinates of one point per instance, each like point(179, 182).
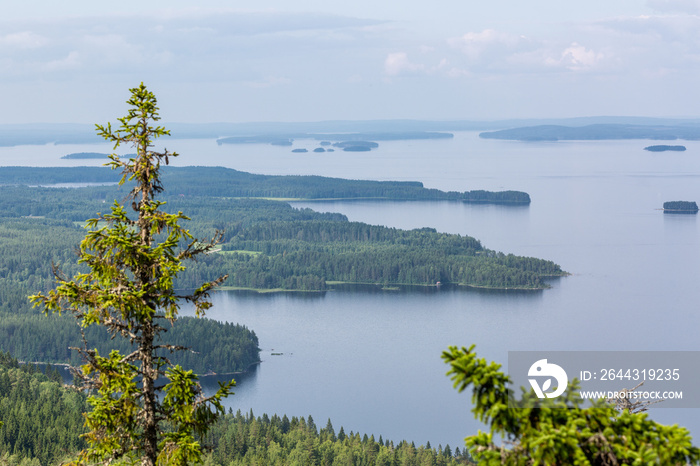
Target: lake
point(370, 359)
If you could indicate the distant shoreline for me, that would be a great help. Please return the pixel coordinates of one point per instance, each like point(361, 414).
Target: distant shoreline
point(597, 132)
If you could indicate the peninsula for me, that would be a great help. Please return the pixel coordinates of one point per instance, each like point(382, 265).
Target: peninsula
point(226, 182)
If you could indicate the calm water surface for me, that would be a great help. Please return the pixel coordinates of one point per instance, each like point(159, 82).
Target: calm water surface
point(370, 360)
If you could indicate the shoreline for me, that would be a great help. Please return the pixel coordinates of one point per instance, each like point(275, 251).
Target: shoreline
point(392, 286)
point(68, 367)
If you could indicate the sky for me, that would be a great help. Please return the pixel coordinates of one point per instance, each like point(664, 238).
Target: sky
point(316, 60)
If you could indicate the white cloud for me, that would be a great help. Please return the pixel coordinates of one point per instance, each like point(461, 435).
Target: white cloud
point(23, 40)
point(71, 61)
point(576, 57)
point(474, 44)
point(227, 45)
point(495, 52)
point(398, 63)
point(319, 57)
point(650, 43)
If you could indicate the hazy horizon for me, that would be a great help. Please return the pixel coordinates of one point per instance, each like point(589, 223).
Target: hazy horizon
point(313, 61)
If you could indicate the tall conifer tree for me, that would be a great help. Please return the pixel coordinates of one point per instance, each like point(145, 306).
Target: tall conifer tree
point(134, 254)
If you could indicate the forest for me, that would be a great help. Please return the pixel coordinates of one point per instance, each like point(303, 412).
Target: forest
point(226, 182)
point(26, 255)
point(268, 244)
point(681, 206)
point(43, 421)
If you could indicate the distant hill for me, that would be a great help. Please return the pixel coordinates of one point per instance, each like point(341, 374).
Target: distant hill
point(85, 155)
point(595, 132)
point(281, 132)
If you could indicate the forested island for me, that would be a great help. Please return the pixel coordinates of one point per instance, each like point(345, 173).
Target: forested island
point(359, 138)
point(681, 207)
point(664, 148)
point(595, 132)
point(91, 155)
point(356, 146)
point(278, 133)
point(85, 155)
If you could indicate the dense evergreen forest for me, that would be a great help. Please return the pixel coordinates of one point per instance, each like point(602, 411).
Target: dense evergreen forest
point(680, 206)
point(305, 254)
point(28, 246)
point(269, 244)
point(42, 421)
point(239, 440)
point(226, 182)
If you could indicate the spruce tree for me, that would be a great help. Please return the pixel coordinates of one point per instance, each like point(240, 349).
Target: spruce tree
point(143, 408)
point(559, 430)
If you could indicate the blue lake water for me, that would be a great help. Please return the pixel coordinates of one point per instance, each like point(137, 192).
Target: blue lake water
point(370, 360)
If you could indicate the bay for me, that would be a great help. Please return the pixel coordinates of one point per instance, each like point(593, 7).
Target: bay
point(370, 359)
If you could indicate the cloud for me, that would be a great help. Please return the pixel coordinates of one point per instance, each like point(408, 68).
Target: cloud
point(680, 28)
point(71, 61)
point(690, 7)
point(475, 44)
point(651, 43)
point(232, 22)
point(398, 64)
point(495, 52)
point(23, 40)
point(244, 47)
point(576, 57)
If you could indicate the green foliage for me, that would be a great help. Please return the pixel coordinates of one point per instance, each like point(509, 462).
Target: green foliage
point(683, 206)
point(302, 249)
point(41, 421)
point(238, 440)
point(561, 431)
point(226, 182)
point(25, 251)
point(129, 290)
point(306, 254)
